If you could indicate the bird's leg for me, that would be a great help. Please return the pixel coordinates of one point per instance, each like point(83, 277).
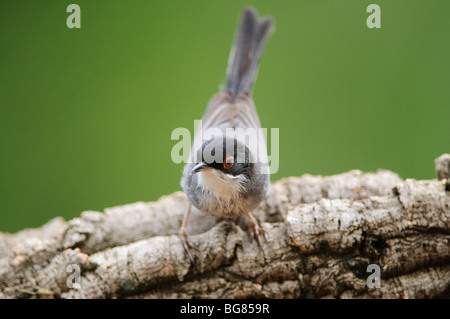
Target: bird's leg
point(256, 229)
point(184, 235)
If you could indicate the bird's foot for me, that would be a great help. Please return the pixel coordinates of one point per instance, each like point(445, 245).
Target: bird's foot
point(256, 230)
point(187, 245)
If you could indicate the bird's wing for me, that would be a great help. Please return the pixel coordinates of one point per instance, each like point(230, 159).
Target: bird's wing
point(225, 112)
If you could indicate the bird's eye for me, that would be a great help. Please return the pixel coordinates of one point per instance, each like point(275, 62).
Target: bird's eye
point(228, 162)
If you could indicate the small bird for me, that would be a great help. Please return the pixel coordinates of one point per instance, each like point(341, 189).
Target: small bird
point(226, 175)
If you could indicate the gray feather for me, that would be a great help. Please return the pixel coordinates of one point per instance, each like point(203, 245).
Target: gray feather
point(249, 43)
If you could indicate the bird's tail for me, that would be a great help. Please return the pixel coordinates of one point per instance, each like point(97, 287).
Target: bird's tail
point(248, 45)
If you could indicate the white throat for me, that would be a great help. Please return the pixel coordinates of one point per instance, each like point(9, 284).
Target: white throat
point(221, 185)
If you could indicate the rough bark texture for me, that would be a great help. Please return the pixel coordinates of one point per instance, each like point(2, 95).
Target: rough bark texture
point(321, 233)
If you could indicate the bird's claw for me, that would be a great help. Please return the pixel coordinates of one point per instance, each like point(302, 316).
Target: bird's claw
point(257, 231)
point(187, 245)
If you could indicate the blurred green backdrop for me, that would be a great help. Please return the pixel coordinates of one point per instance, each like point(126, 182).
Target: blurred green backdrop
point(87, 114)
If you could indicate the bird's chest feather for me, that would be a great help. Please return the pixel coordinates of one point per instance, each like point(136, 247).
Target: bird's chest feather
point(222, 195)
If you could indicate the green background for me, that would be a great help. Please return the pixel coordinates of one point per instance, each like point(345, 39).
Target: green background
point(86, 114)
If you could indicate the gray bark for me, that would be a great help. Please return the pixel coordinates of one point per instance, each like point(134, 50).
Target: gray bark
point(321, 233)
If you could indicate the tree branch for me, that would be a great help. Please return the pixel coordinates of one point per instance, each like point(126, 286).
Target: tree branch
point(321, 233)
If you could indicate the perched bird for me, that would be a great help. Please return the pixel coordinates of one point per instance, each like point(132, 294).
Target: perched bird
point(227, 174)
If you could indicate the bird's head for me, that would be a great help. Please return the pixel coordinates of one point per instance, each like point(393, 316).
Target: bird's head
point(225, 167)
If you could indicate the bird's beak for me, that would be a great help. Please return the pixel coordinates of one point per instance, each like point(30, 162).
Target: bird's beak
point(197, 168)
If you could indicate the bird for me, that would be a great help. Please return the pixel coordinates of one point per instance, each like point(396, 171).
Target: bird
point(227, 174)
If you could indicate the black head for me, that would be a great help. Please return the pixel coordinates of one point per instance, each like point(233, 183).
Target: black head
point(225, 154)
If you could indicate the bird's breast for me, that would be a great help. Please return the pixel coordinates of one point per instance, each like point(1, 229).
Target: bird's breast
point(222, 196)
